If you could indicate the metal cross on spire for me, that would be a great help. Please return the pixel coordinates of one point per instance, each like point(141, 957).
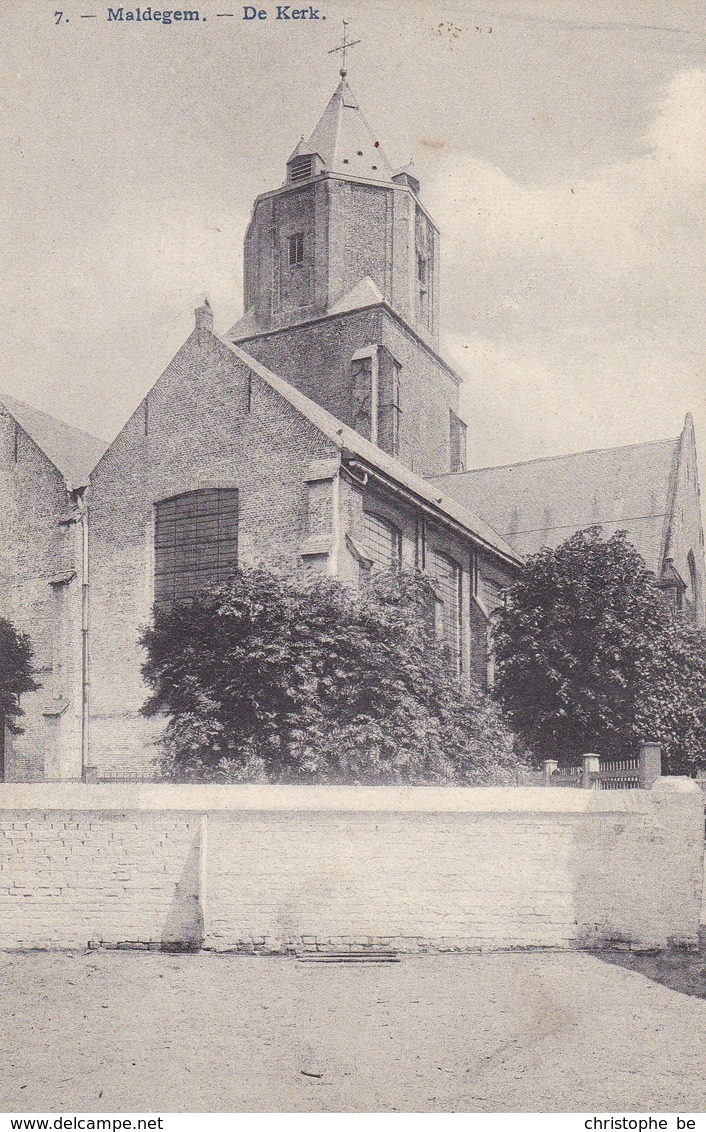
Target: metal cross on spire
point(343, 47)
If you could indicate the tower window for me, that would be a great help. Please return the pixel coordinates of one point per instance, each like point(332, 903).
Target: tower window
point(296, 249)
point(300, 168)
point(195, 544)
point(363, 395)
point(422, 272)
point(457, 442)
point(389, 403)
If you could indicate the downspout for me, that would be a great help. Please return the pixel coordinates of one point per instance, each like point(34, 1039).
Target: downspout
point(334, 557)
point(85, 683)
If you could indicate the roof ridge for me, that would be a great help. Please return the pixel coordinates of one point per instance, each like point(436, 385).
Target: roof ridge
point(563, 456)
point(586, 525)
point(52, 416)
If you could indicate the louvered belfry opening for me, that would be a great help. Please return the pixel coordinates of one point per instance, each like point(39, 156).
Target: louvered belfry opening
point(301, 167)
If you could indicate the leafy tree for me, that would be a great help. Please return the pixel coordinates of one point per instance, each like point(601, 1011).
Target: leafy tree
point(274, 679)
point(590, 658)
point(16, 673)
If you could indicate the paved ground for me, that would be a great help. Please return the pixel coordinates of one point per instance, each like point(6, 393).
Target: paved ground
point(127, 1031)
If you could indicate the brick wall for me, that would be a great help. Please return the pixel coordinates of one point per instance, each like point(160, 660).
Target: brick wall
point(36, 548)
point(316, 358)
point(208, 422)
point(70, 877)
point(281, 868)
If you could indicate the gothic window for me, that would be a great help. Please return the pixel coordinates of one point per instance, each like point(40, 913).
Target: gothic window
point(421, 271)
point(195, 544)
point(383, 542)
point(296, 249)
point(490, 657)
point(423, 286)
point(458, 443)
point(447, 576)
point(424, 247)
point(389, 408)
point(693, 577)
point(362, 394)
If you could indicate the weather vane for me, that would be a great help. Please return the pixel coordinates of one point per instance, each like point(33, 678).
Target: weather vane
point(343, 47)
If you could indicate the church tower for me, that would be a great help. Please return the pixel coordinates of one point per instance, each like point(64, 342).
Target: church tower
point(341, 291)
point(342, 222)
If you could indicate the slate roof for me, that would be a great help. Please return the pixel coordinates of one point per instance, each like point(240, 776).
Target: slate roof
point(365, 293)
point(542, 502)
point(345, 142)
point(75, 453)
point(351, 443)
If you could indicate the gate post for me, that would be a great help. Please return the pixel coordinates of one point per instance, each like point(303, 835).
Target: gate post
point(650, 764)
point(591, 766)
point(550, 767)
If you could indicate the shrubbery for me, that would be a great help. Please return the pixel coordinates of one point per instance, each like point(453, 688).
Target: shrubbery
point(270, 679)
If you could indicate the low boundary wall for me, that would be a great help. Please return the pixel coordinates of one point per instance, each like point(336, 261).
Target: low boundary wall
point(277, 869)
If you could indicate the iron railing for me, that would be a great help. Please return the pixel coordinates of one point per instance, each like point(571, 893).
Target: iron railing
point(639, 772)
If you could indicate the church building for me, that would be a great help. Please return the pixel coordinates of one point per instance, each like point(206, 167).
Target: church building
point(321, 433)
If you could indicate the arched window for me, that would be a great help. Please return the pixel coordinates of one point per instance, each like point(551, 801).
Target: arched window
point(447, 576)
point(383, 542)
point(195, 543)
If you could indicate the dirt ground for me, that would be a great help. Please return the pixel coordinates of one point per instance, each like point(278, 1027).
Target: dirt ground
point(152, 1032)
point(683, 971)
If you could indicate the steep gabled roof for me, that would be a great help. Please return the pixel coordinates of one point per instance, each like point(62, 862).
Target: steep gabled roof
point(542, 502)
point(73, 452)
point(351, 443)
point(365, 293)
point(344, 141)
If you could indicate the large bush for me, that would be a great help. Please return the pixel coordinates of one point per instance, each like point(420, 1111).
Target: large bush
point(271, 679)
point(590, 658)
point(16, 673)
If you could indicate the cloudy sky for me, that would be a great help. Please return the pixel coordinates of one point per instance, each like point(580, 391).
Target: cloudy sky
point(561, 147)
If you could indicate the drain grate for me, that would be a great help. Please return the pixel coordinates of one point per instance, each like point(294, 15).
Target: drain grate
point(348, 957)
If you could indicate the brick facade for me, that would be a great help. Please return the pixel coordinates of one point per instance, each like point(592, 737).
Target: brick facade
point(212, 421)
point(208, 422)
point(317, 358)
point(40, 593)
point(217, 419)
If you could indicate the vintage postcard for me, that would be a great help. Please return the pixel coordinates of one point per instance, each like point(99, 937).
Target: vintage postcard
point(352, 585)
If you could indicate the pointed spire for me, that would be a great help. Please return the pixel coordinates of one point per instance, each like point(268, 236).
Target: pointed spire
point(344, 141)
